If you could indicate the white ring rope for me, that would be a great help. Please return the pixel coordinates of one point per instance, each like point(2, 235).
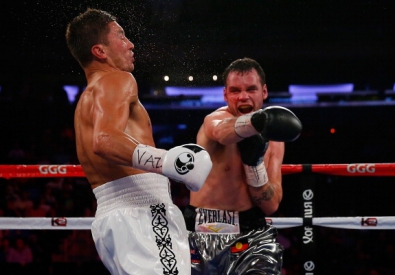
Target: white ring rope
point(58, 223)
point(386, 222)
point(61, 223)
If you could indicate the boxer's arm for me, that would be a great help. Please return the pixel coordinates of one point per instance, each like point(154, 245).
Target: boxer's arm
point(114, 96)
point(273, 123)
point(269, 196)
point(220, 127)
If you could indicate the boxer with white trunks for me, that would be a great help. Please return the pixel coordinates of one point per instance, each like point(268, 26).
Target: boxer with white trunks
point(137, 228)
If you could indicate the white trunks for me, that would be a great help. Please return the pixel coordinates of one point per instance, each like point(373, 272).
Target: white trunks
point(137, 228)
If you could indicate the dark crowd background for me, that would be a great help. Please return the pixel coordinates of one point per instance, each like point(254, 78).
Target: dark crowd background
point(302, 42)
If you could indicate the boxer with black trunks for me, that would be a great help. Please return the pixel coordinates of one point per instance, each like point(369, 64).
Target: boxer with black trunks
point(137, 228)
point(228, 233)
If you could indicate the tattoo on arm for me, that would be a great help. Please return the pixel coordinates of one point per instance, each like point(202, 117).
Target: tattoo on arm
point(267, 195)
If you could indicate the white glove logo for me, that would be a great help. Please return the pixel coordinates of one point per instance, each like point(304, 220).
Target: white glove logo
point(184, 163)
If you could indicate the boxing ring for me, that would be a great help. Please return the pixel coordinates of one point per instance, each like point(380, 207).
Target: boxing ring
point(308, 223)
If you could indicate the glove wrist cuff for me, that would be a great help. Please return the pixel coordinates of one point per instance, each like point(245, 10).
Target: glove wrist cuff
point(243, 126)
point(256, 176)
point(148, 158)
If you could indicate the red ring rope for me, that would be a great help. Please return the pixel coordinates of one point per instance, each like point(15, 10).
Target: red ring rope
point(353, 169)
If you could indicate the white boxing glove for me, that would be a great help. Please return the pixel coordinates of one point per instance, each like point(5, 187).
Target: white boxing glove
point(188, 163)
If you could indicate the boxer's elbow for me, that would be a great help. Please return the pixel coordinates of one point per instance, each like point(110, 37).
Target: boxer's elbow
point(101, 143)
point(271, 208)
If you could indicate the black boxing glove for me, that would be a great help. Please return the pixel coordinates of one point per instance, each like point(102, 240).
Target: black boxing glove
point(252, 149)
point(273, 123)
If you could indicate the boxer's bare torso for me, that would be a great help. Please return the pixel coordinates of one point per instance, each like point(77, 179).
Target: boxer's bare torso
point(106, 89)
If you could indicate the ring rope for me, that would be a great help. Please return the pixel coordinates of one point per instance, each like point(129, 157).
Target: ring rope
point(62, 223)
point(353, 169)
point(55, 223)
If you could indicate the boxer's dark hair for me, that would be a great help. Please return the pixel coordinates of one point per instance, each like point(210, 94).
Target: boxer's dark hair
point(244, 65)
point(85, 31)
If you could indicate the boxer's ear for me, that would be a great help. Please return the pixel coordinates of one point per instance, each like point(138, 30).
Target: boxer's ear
point(98, 51)
point(265, 92)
